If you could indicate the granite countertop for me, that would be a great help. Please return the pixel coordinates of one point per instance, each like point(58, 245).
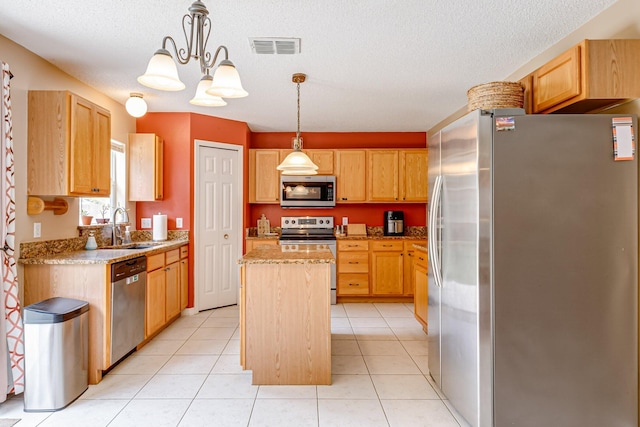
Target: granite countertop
point(420, 247)
point(104, 256)
point(296, 254)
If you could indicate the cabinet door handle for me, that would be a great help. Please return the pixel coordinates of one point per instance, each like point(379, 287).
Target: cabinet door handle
point(354, 262)
point(387, 246)
point(353, 284)
point(421, 259)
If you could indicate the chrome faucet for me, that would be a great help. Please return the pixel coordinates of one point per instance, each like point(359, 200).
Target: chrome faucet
point(115, 236)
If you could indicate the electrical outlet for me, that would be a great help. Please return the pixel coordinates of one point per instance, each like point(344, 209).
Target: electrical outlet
point(145, 223)
point(345, 220)
point(178, 222)
point(37, 229)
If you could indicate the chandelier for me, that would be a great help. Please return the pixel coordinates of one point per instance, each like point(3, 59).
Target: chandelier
point(162, 72)
point(297, 162)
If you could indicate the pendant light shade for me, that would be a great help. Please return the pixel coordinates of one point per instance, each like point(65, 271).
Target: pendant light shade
point(226, 82)
point(202, 98)
point(162, 73)
point(297, 162)
point(135, 105)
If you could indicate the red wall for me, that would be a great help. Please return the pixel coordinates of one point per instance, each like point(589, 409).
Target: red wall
point(370, 214)
point(341, 139)
point(415, 214)
point(179, 130)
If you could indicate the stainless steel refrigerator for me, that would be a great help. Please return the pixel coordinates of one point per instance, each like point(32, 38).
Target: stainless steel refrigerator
point(533, 278)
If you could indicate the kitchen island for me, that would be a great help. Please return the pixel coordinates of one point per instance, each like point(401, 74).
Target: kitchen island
point(285, 314)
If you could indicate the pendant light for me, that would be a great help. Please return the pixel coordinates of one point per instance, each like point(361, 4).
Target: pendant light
point(298, 163)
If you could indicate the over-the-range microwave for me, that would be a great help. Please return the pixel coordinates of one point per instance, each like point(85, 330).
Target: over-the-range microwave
point(308, 191)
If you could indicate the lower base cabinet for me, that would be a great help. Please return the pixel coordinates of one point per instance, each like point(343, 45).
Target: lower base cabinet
point(421, 297)
point(165, 289)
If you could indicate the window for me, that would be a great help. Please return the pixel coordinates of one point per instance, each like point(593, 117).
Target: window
point(101, 208)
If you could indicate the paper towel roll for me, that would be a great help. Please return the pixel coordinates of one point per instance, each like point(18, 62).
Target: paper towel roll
point(160, 227)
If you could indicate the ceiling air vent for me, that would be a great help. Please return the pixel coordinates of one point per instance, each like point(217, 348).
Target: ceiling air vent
point(275, 45)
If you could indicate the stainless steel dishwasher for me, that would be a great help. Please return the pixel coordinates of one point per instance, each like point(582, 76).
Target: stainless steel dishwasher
point(128, 289)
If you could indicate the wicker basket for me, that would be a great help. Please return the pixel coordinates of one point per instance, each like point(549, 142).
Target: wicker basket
point(492, 95)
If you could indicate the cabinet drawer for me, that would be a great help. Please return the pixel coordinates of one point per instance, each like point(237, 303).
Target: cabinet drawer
point(387, 245)
point(420, 259)
point(353, 284)
point(353, 262)
point(155, 262)
point(353, 245)
point(172, 256)
point(184, 251)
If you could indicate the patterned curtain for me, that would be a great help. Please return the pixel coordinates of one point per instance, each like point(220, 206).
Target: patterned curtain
point(12, 320)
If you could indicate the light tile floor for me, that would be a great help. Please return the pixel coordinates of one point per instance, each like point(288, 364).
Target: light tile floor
point(190, 375)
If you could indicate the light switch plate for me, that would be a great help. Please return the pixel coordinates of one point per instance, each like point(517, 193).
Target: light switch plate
point(178, 222)
point(345, 220)
point(145, 222)
point(37, 229)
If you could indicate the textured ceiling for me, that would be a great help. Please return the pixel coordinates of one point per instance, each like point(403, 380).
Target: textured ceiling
point(372, 65)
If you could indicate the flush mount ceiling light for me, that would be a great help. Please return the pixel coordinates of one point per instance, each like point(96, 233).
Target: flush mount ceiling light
point(162, 72)
point(298, 163)
point(135, 105)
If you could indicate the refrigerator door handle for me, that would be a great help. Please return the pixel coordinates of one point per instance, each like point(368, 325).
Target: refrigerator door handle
point(434, 256)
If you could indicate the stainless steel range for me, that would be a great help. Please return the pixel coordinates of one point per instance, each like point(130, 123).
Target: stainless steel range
point(318, 230)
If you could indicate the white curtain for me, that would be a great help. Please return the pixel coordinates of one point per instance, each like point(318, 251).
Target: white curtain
point(12, 343)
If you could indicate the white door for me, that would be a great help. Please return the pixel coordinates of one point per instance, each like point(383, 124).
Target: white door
point(218, 234)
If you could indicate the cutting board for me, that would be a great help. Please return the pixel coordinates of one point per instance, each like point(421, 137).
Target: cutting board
point(356, 230)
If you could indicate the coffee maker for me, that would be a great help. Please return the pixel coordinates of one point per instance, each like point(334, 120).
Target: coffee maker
point(393, 223)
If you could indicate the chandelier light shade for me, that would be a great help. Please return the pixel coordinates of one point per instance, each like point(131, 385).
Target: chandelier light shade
point(297, 162)
point(202, 98)
point(226, 82)
point(135, 105)
point(162, 71)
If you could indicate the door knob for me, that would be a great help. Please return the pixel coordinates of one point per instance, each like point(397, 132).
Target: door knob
point(226, 236)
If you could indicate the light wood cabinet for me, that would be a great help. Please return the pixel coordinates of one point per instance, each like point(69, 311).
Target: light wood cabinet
point(382, 171)
point(413, 175)
point(323, 159)
point(351, 176)
point(251, 244)
point(145, 167)
point(155, 308)
point(172, 277)
point(527, 85)
point(184, 277)
point(387, 267)
point(409, 255)
point(68, 147)
point(86, 282)
point(590, 76)
point(397, 175)
point(353, 267)
point(421, 297)
point(264, 178)
point(164, 289)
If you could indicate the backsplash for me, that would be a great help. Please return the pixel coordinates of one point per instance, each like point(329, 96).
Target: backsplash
point(102, 235)
point(377, 231)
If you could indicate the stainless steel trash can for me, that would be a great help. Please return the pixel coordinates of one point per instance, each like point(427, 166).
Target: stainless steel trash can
point(56, 353)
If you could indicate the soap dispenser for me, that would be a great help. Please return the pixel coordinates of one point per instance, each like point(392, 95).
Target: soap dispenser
point(127, 234)
point(91, 242)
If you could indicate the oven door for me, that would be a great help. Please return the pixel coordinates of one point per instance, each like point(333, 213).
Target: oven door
point(331, 245)
point(307, 191)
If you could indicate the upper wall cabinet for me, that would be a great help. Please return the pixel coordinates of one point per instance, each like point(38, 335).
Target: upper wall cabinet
point(145, 167)
point(397, 175)
point(590, 76)
point(69, 146)
point(264, 178)
point(351, 176)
